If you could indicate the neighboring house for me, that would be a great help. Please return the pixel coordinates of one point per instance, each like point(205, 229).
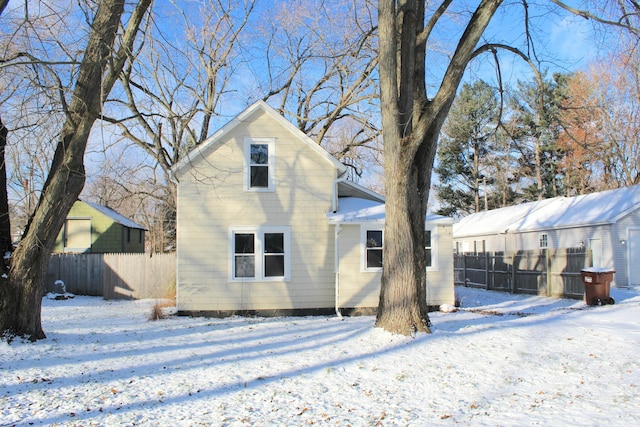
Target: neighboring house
point(267, 223)
point(93, 228)
point(607, 223)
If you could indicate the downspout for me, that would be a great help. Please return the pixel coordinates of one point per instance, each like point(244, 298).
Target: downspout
point(337, 270)
point(334, 196)
point(174, 178)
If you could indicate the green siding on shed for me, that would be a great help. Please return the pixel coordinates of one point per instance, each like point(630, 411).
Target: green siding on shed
point(107, 235)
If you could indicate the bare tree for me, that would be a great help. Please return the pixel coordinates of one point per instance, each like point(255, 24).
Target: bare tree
point(133, 185)
point(320, 61)
point(617, 93)
point(5, 222)
point(411, 123)
point(173, 94)
point(41, 44)
point(101, 65)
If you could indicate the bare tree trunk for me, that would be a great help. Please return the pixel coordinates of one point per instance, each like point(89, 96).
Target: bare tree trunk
point(7, 300)
point(403, 305)
point(5, 223)
point(21, 302)
point(411, 124)
point(476, 177)
point(538, 165)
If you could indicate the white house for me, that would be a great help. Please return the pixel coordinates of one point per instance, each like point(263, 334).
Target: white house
point(268, 224)
point(608, 223)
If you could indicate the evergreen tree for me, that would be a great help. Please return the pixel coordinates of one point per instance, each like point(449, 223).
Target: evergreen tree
point(463, 154)
point(536, 123)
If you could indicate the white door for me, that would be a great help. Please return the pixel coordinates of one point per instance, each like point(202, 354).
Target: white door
point(77, 235)
point(634, 257)
point(596, 251)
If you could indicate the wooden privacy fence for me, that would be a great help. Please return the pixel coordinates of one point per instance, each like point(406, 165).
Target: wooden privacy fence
point(550, 272)
point(114, 276)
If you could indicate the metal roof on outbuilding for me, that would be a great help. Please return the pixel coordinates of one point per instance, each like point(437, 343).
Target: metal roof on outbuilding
point(120, 219)
point(605, 207)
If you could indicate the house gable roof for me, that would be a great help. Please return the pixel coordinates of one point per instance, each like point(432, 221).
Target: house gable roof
point(605, 207)
point(356, 210)
point(259, 106)
point(115, 216)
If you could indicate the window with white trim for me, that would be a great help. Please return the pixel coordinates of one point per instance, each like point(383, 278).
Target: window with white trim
point(259, 254)
point(373, 250)
point(259, 156)
point(428, 248)
point(431, 248)
point(544, 241)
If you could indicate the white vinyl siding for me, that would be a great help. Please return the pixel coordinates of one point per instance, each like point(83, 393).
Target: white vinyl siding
point(211, 200)
point(361, 288)
point(632, 243)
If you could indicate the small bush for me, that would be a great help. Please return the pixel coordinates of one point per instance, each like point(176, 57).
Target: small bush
point(157, 312)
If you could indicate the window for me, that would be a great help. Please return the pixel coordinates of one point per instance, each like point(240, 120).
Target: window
point(431, 248)
point(274, 254)
point(544, 241)
point(259, 164)
point(244, 254)
point(260, 254)
point(428, 253)
point(373, 248)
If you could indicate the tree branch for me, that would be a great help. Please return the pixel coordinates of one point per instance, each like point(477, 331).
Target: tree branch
point(588, 15)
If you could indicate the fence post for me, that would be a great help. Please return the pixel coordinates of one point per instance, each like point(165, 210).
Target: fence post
point(464, 268)
point(511, 276)
point(514, 273)
point(548, 265)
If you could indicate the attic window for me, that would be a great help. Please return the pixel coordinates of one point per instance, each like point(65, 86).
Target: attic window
point(259, 164)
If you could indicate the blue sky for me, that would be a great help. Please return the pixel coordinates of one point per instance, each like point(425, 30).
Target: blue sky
point(563, 41)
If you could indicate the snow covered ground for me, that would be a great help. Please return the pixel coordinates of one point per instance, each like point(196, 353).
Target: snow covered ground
point(501, 360)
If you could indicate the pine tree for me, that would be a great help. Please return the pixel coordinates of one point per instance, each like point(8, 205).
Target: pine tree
point(537, 124)
point(463, 154)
